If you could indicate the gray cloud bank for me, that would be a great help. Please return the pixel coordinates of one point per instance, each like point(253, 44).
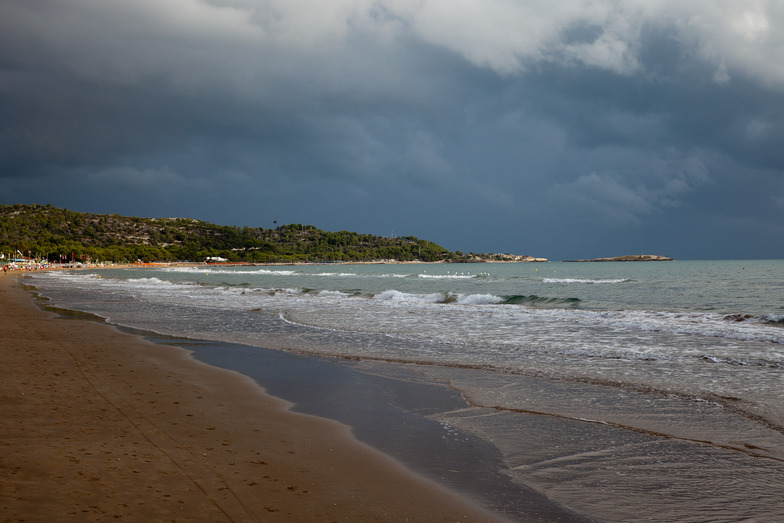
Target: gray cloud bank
point(561, 129)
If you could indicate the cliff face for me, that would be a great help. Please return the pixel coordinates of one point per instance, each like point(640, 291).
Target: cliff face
point(631, 257)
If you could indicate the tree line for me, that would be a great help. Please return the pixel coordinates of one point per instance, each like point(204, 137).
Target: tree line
point(55, 234)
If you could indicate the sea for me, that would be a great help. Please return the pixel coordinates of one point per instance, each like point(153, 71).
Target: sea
point(623, 391)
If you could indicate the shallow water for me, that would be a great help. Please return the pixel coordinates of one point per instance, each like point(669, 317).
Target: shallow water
point(656, 384)
point(396, 411)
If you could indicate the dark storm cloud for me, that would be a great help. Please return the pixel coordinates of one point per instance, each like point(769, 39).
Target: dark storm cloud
point(565, 129)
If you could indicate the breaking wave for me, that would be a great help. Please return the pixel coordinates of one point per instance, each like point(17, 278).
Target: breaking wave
point(585, 281)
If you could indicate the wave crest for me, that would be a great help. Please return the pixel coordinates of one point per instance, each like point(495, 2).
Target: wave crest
point(585, 281)
point(533, 299)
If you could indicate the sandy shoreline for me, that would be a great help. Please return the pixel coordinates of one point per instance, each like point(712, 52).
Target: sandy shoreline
point(98, 424)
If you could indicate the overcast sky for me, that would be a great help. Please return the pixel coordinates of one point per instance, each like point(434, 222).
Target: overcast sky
point(563, 129)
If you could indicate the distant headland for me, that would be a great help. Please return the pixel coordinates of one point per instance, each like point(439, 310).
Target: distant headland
point(628, 258)
point(500, 258)
point(47, 234)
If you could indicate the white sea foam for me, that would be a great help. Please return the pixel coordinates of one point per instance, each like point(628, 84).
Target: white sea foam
point(271, 272)
point(187, 270)
point(151, 281)
point(682, 323)
point(338, 294)
point(446, 276)
point(585, 281)
point(480, 328)
point(288, 290)
point(479, 299)
point(230, 271)
point(425, 314)
point(394, 296)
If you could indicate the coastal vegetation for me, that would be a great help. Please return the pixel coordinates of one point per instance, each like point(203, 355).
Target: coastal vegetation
point(55, 234)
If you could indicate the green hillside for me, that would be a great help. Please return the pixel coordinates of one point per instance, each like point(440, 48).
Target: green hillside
point(44, 231)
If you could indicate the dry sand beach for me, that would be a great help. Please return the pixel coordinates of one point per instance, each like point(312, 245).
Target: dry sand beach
point(99, 424)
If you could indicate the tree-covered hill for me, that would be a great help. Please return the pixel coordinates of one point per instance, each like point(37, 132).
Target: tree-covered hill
point(48, 232)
